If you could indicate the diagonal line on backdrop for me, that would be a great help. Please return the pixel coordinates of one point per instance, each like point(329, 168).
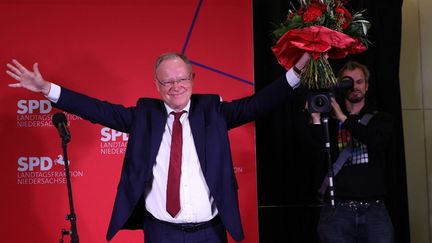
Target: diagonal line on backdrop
point(192, 26)
point(223, 73)
point(202, 65)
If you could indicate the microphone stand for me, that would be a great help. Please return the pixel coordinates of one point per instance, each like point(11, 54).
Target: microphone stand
point(73, 232)
point(330, 174)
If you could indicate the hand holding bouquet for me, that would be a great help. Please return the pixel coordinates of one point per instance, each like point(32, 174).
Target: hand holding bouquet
point(325, 29)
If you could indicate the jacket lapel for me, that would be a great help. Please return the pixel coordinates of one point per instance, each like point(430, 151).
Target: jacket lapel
point(197, 123)
point(158, 122)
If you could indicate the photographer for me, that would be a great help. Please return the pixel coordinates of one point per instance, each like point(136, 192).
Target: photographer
point(358, 130)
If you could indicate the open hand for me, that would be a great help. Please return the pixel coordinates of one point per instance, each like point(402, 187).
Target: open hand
point(29, 80)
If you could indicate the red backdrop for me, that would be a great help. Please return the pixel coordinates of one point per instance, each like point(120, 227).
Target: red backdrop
point(107, 49)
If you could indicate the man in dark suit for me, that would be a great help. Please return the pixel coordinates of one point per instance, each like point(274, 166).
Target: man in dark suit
point(204, 204)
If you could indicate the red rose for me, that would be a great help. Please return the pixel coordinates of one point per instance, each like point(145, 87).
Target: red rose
point(312, 13)
point(344, 16)
point(318, 3)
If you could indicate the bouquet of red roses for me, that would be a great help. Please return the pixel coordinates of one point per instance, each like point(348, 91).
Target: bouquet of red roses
point(325, 29)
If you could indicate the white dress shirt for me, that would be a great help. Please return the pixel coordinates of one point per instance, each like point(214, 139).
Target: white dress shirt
point(196, 204)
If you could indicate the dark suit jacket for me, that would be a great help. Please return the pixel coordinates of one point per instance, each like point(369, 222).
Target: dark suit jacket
point(210, 119)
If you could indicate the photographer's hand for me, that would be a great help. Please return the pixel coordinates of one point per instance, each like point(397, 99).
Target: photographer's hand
point(315, 116)
point(336, 111)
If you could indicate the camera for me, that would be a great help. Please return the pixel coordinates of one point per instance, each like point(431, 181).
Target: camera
point(319, 101)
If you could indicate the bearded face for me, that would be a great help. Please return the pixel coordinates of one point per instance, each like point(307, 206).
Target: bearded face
point(360, 86)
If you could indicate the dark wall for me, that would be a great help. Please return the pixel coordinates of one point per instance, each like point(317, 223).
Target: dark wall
point(287, 178)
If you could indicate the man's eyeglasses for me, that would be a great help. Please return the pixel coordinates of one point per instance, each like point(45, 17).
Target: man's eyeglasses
point(178, 81)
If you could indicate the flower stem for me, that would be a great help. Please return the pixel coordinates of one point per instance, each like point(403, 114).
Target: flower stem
point(318, 74)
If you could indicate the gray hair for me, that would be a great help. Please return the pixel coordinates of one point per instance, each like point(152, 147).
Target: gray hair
point(172, 55)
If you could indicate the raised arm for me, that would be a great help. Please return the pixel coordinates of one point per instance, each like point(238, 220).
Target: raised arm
point(111, 115)
point(30, 80)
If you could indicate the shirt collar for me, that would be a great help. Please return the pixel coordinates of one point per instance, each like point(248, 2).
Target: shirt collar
point(169, 109)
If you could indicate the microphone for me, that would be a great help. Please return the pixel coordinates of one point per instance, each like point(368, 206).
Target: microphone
point(59, 120)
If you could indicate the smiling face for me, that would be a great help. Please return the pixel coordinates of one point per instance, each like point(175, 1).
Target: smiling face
point(174, 82)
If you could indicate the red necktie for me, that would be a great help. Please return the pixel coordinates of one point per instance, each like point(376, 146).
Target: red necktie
point(174, 171)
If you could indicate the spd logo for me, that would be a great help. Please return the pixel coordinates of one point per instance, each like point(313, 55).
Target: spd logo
point(43, 163)
point(32, 106)
point(110, 135)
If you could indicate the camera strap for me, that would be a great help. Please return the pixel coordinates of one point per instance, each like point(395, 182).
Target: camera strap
point(367, 117)
point(337, 166)
point(344, 155)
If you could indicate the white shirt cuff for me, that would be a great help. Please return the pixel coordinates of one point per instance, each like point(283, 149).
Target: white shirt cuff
point(54, 93)
point(293, 79)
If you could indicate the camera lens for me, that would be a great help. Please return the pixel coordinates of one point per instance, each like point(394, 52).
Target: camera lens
point(319, 102)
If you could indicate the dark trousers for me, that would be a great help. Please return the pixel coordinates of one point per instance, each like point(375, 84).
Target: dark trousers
point(156, 231)
point(351, 223)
